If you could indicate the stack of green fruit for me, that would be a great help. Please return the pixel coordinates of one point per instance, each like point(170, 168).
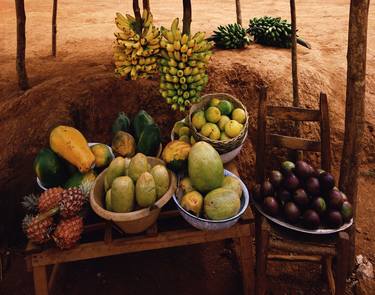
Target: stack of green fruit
point(181, 131)
point(206, 191)
point(142, 135)
point(132, 183)
point(220, 121)
point(61, 164)
point(273, 31)
point(183, 66)
point(136, 47)
point(230, 36)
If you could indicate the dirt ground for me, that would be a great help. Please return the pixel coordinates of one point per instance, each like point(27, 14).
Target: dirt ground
point(78, 87)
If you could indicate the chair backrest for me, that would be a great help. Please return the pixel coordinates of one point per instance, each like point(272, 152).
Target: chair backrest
point(265, 139)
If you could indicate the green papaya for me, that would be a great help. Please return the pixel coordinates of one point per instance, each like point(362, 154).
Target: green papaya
point(122, 123)
point(50, 168)
point(140, 121)
point(149, 141)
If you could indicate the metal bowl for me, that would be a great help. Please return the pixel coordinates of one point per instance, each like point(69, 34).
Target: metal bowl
point(207, 224)
point(226, 157)
point(90, 144)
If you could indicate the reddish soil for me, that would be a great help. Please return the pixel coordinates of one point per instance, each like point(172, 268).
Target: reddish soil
point(78, 88)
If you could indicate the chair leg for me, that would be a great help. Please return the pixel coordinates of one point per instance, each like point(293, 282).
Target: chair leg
point(262, 239)
point(342, 263)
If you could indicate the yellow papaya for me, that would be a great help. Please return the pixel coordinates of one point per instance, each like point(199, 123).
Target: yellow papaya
point(71, 145)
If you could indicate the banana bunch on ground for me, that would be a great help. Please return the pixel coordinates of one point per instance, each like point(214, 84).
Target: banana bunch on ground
point(183, 66)
point(230, 36)
point(136, 47)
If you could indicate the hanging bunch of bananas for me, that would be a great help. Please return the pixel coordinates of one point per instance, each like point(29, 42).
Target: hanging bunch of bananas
point(183, 66)
point(136, 47)
point(230, 36)
point(273, 31)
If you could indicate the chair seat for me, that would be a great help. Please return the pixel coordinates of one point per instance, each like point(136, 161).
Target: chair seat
point(282, 238)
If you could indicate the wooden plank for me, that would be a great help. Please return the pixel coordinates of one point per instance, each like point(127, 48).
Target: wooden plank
point(247, 264)
point(293, 113)
point(342, 264)
point(329, 274)
point(325, 134)
point(294, 143)
point(295, 258)
point(310, 249)
point(137, 244)
point(56, 271)
point(261, 135)
point(262, 246)
point(40, 280)
point(108, 232)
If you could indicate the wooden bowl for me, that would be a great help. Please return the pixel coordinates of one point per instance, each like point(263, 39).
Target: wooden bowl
point(135, 221)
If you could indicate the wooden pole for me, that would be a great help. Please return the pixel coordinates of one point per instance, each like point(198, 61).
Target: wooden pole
point(238, 12)
point(296, 102)
point(21, 45)
point(355, 106)
point(54, 28)
point(137, 15)
point(294, 53)
point(146, 5)
point(187, 17)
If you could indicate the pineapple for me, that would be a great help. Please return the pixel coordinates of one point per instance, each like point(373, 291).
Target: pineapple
point(73, 199)
point(50, 199)
point(30, 203)
point(38, 228)
point(68, 232)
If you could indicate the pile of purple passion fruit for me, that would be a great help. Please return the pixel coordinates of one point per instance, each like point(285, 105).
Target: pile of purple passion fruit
point(303, 196)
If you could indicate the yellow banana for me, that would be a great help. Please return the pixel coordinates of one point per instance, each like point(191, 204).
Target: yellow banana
point(148, 21)
point(144, 15)
point(184, 48)
point(131, 19)
point(125, 43)
point(177, 35)
point(123, 71)
point(199, 36)
point(177, 56)
point(174, 26)
point(122, 63)
point(133, 73)
point(191, 43)
point(177, 45)
point(189, 52)
point(184, 39)
point(170, 47)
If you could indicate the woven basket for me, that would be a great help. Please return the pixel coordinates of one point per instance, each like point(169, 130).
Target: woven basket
point(221, 146)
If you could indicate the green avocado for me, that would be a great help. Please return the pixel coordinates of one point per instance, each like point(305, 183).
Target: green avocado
point(149, 141)
point(140, 121)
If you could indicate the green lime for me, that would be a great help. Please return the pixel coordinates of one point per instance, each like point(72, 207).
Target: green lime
point(225, 107)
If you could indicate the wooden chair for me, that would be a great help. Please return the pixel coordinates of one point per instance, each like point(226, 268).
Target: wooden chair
point(269, 236)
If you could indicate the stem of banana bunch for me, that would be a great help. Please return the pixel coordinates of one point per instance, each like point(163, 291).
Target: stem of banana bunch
point(137, 15)
point(186, 17)
point(146, 5)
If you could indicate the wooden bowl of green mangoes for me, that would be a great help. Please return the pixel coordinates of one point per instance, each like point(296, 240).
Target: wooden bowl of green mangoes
point(110, 201)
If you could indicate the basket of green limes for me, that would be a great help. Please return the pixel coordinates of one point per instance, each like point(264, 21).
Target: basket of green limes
point(220, 120)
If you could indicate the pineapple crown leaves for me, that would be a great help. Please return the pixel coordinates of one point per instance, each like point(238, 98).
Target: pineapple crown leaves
point(30, 203)
point(230, 36)
point(86, 187)
point(273, 31)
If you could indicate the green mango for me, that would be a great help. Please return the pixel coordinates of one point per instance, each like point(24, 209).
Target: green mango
point(149, 140)
point(161, 178)
point(145, 190)
point(122, 123)
point(122, 194)
point(115, 169)
point(140, 121)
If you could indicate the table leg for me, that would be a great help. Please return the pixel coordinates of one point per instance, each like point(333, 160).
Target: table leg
point(247, 264)
point(40, 280)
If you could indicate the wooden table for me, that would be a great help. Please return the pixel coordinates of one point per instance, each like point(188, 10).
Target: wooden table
point(156, 237)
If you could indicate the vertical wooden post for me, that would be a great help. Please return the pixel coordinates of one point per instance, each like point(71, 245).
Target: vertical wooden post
point(238, 12)
point(21, 45)
point(146, 5)
point(355, 106)
point(261, 135)
point(54, 29)
point(137, 15)
point(325, 133)
point(294, 53)
point(187, 17)
point(40, 280)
